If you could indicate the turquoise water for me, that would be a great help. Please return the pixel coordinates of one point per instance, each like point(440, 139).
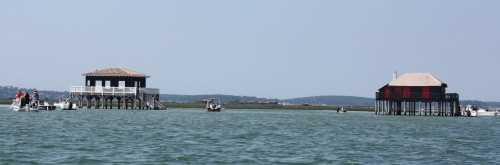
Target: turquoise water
point(244, 137)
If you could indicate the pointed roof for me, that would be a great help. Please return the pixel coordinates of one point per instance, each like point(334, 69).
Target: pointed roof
point(115, 72)
point(417, 79)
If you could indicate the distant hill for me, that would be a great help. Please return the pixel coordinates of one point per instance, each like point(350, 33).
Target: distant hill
point(9, 92)
point(315, 100)
point(363, 101)
point(332, 100)
point(222, 98)
point(490, 104)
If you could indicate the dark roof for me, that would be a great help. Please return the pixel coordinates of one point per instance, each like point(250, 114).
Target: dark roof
point(115, 72)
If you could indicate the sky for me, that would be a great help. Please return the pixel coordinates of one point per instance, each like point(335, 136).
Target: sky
point(265, 48)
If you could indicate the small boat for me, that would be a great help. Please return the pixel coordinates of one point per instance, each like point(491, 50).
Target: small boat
point(212, 106)
point(341, 110)
point(32, 107)
point(25, 103)
point(45, 107)
point(66, 105)
point(475, 111)
point(17, 107)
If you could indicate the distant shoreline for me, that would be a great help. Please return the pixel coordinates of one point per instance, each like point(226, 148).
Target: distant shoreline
point(5, 102)
point(251, 106)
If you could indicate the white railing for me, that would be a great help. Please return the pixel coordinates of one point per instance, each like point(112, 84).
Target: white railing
point(113, 90)
point(104, 90)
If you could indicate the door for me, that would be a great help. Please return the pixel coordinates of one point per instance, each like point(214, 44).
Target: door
point(98, 83)
point(98, 86)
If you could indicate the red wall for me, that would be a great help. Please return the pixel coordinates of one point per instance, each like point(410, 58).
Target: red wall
point(412, 92)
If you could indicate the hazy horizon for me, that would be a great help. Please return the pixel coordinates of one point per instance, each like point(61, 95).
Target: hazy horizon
point(274, 49)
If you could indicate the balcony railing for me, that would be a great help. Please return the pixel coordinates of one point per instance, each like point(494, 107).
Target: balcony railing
point(113, 90)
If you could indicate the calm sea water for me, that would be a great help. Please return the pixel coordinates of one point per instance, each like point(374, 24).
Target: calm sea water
point(244, 137)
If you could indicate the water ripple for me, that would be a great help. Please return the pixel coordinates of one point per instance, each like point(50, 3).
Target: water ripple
point(243, 137)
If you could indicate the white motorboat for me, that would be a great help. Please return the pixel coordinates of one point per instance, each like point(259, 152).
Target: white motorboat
point(66, 105)
point(341, 110)
point(483, 113)
point(212, 106)
point(16, 106)
point(45, 107)
point(25, 103)
point(475, 111)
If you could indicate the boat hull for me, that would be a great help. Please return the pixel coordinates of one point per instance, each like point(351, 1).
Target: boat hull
point(22, 109)
point(214, 110)
point(66, 106)
point(18, 108)
point(484, 114)
point(47, 108)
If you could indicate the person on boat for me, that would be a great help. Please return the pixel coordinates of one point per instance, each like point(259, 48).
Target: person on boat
point(23, 99)
point(35, 97)
point(27, 98)
point(19, 94)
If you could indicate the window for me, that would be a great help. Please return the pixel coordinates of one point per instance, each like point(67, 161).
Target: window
point(121, 83)
point(107, 83)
